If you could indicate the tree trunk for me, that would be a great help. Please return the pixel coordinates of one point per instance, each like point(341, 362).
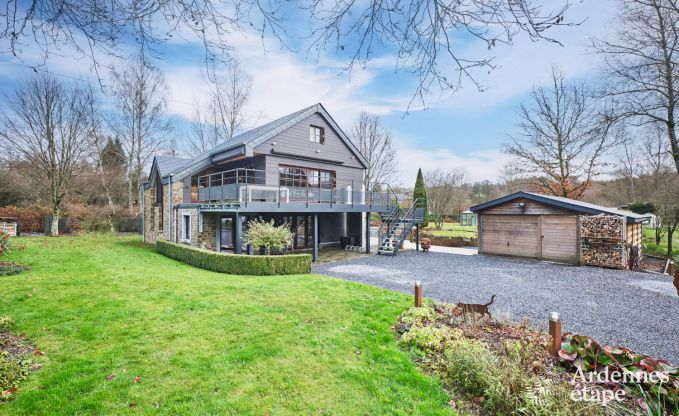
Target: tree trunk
point(54, 229)
point(670, 235)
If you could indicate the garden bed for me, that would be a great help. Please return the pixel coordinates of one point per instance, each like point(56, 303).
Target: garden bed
point(16, 359)
point(9, 268)
point(499, 367)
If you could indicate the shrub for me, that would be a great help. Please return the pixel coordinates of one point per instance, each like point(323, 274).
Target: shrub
point(416, 315)
point(30, 217)
point(469, 366)
point(236, 263)
point(265, 234)
point(429, 338)
point(5, 242)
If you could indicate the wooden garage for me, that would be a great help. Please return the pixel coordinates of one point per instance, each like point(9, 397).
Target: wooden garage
point(544, 227)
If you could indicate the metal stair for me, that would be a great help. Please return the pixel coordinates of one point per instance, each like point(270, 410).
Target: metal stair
point(398, 225)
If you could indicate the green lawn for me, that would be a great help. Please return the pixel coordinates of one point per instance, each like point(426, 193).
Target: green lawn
point(452, 229)
point(660, 249)
point(202, 342)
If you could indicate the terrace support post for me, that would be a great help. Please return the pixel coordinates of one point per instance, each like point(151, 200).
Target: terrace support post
point(418, 294)
point(367, 232)
point(555, 334)
point(314, 255)
point(417, 237)
point(218, 236)
point(238, 228)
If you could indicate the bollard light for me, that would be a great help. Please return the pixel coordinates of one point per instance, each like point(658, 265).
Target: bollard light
point(554, 333)
point(418, 294)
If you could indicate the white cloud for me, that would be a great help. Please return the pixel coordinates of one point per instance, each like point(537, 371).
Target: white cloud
point(284, 82)
point(479, 166)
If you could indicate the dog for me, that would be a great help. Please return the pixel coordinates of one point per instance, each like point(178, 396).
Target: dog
point(477, 307)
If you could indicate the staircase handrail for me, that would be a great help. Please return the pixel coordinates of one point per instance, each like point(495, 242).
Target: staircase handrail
point(410, 216)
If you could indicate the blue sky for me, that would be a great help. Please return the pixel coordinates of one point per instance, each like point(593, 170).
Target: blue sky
point(465, 129)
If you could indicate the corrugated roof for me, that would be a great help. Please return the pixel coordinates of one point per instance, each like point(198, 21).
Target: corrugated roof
point(571, 204)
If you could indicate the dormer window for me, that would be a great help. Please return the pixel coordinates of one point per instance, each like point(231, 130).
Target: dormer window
point(316, 134)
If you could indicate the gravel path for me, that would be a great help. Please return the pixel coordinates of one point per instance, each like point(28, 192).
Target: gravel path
point(637, 310)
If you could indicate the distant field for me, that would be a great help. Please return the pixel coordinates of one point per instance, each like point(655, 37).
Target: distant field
point(453, 229)
point(660, 249)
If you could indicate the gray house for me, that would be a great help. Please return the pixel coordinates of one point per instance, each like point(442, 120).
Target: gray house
point(301, 170)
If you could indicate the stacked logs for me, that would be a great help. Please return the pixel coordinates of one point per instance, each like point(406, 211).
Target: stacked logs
point(603, 241)
point(603, 226)
point(605, 255)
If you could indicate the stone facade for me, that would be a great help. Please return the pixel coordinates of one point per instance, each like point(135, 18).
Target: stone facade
point(207, 238)
point(156, 218)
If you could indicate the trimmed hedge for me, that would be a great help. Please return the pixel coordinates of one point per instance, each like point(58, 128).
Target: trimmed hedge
point(236, 263)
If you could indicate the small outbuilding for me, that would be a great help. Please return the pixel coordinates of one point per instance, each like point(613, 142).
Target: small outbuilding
point(546, 227)
point(468, 218)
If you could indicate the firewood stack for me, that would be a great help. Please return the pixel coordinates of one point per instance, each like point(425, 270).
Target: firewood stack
point(603, 226)
point(602, 241)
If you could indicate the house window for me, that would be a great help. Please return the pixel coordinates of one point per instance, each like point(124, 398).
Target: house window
point(317, 134)
point(299, 177)
point(186, 227)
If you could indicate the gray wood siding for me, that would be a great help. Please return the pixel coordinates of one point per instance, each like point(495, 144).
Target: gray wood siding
point(345, 174)
point(295, 140)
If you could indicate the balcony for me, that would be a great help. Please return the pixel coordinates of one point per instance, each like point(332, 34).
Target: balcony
point(252, 189)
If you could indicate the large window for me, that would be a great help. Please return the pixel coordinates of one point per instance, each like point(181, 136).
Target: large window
point(316, 134)
point(299, 177)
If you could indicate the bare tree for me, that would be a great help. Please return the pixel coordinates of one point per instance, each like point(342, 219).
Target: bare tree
point(628, 161)
point(662, 183)
point(441, 192)
point(375, 144)
point(423, 32)
point(561, 138)
point(98, 145)
point(140, 124)
point(47, 125)
point(512, 177)
point(226, 112)
point(642, 66)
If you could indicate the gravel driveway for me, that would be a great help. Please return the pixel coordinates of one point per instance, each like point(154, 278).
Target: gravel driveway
point(637, 310)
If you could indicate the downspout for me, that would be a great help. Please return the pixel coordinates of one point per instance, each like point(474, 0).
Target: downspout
point(169, 215)
point(142, 217)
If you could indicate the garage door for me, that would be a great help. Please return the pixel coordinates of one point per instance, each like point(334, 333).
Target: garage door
point(559, 238)
point(546, 237)
point(510, 235)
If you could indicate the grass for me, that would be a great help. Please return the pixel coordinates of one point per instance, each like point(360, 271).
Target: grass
point(201, 342)
point(660, 249)
point(452, 229)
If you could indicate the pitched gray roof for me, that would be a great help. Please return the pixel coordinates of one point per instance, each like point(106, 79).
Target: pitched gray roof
point(244, 143)
point(168, 165)
point(566, 203)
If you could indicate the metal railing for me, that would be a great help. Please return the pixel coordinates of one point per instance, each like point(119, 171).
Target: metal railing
point(247, 186)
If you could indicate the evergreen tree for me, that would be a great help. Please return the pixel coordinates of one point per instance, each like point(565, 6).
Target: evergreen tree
point(420, 192)
point(113, 156)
